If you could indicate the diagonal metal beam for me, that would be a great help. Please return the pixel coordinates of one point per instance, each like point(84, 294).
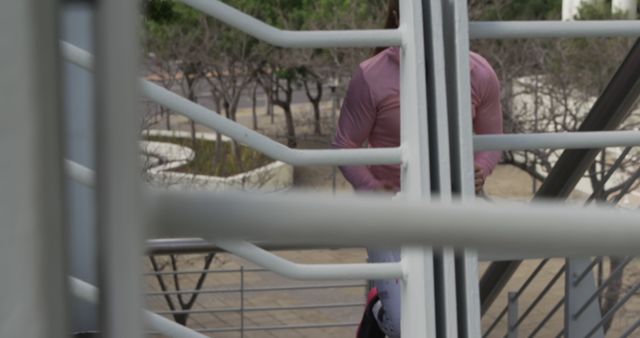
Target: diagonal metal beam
point(608, 112)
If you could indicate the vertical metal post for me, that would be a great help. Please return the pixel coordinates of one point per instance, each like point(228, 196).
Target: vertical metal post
point(438, 123)
point(118, 185)
point(242, 301)
point(512, 315)
point(418, 305)
point(456, 48)
point(33, 292)
point(576, 294)
point(79, 111)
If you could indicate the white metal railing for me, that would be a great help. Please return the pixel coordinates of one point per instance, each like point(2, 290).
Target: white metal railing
point(553, 29)
point(211, 119)
point(316, 220)
point(295, 39)
point(243, 134)
point(286, 268)
point(522, 228)
point(90, 293)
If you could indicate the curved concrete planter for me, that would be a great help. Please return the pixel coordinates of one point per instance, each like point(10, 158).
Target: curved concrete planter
point(276, 176)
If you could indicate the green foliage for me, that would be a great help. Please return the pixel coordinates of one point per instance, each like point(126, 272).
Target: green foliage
point(517, 9)
point(599, 10)
point(160, 11)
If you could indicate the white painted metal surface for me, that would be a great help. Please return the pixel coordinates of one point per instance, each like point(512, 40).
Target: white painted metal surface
point(552, 29)
point(566, 140)
point(243, 134)
point(33, 290)
point(521, 228)
point(167, 327)
point(309, 271)
point(417, 289)
point(299, 39)
point(278, 151)
point(516, 228)
point(118, 187)
point(456, 35)
point(444, 273)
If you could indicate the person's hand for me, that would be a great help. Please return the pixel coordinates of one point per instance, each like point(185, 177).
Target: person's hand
point(386, 188)
point(479, 179)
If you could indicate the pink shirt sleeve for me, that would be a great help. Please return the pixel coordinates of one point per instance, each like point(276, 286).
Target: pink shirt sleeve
point(357, 117)
point(487, 113)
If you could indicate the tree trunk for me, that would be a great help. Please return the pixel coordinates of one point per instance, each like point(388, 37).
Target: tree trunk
point(316, 116)
point(192, 97)
point(217, 158)
point(315, 102)
point(167, 117)
point(253, 107)
point(291, 132)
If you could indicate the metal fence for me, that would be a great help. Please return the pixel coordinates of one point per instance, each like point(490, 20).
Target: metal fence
point(316, 307)
point(435, 153)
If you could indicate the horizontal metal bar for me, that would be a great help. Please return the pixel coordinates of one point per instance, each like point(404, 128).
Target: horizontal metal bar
point(263, 143)
point(279, 327)
point(246, 135)
point(186, 246)
point(264, 308)
point(552, 29)
point(365, 220)
point(297, 39)
point(193, 272)
point(293, 270)
point(209, 118)
point(169, 246)
point(163, 325)
point(261, 289)
point(566, 140)
point(619, 269)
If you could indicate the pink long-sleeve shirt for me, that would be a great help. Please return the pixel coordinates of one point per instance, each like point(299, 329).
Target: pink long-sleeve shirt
point(371, 112)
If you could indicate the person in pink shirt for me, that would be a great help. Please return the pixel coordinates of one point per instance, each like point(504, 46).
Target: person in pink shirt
point(371, 113)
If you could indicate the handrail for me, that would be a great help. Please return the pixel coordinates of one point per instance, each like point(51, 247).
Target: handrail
point(299, 39)
point(552, 29)
point(314, 219)
point(393, 37)
point(88, 292)
point(292, 270)
point(243, 134)
point(263, 143)
point(567, 140)
point(562, 140)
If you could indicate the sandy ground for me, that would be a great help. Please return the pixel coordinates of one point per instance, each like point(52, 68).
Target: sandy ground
point(506, 183)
